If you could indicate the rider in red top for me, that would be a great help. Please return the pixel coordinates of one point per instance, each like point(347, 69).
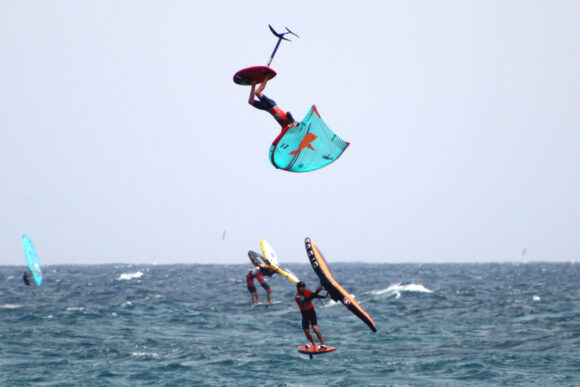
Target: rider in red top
point(285, 119)
point(263, 283)
point(304, 299)
point(251, 287)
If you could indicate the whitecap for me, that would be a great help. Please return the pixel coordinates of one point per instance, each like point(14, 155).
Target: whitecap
point(397, 289)
point(331, 302)
point(536, 298)
point(416, 288)
point(10, 306)
point(130, 276)
point(145, 355)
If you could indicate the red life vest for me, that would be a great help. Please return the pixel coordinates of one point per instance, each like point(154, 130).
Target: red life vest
point(249, 279)
point(259, 277)
point(304, 305)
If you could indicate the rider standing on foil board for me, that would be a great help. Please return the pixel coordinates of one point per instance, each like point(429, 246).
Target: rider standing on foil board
point(251, 288)
point(304, 299)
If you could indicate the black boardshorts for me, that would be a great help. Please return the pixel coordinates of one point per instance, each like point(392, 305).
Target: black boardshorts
point(264, 103)
point(308, 316)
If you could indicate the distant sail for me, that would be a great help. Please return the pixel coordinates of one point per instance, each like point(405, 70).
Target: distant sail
point(256, 259)
point(272, 260)
point(32, 258)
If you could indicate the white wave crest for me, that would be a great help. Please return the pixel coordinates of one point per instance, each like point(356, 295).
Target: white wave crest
point(331, 302)
point(11, 306)
point(397, 289)
point(130, 276)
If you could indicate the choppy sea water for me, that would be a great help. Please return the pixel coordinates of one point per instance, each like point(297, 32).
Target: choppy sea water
point(189, 325)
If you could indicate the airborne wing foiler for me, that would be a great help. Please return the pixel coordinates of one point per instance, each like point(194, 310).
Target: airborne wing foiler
point(309, 146)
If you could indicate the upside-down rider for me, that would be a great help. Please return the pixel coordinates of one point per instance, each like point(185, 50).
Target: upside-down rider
point(304, 299)
point(266, 270)
point(285, 119)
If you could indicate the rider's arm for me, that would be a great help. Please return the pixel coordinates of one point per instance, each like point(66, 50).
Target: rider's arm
point(314, 295)
point(252, 94)
point(262, 87)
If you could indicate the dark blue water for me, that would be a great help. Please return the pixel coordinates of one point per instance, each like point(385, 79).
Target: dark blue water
point(438, 325)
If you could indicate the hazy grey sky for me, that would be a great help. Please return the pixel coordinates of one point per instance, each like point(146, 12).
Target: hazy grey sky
point(124, 139)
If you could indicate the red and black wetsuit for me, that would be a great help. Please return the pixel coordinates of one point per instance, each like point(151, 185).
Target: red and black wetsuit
point(269, 105)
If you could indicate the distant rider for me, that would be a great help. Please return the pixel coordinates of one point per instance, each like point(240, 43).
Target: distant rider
point(27, 277)
point(304, 299)
point(285, 119)
point(251, 287)
point(263, 283)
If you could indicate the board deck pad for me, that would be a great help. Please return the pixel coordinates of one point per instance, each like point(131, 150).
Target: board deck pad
point(315, 350)
point(255, 74)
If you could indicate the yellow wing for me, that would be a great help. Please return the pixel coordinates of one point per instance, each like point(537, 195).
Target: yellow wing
point(272, 260)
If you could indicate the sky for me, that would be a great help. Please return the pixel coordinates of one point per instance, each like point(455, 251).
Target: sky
point(123, 138)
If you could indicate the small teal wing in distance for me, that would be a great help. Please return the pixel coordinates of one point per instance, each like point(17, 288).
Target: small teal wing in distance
point(32, 258)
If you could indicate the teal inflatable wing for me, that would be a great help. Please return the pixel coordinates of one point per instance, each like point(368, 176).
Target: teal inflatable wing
point(32, 258)
point(308, 146)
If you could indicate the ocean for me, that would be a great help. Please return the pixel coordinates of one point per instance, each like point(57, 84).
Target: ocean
point(192, 325)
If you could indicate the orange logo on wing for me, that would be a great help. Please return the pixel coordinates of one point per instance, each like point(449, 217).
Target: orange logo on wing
point(306, 142)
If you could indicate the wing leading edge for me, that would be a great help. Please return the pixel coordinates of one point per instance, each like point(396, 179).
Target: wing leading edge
point(334, 289)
